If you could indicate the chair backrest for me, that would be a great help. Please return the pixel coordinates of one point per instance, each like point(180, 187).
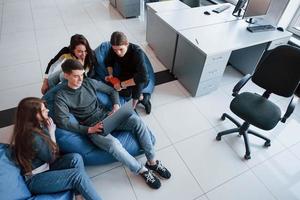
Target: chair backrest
point(279, 72)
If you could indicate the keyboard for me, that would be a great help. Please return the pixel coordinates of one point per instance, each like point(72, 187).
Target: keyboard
point(260, 28)
point(221, 8)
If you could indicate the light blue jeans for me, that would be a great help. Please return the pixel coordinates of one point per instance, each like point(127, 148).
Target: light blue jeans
point(66, 173)
point(109, 143)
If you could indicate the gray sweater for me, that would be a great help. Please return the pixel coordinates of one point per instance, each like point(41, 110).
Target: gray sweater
point(83, 104)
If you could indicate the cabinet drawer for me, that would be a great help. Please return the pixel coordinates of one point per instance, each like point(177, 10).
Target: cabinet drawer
point(212, 71)
point(278, 42)
point(217, 59)
point(208, 86)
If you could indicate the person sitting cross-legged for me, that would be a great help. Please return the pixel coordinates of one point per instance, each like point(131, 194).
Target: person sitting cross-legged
point(134, 75)
point(78, 97)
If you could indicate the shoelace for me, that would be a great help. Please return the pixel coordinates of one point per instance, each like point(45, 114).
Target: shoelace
point(160, 166)
point(149, 177)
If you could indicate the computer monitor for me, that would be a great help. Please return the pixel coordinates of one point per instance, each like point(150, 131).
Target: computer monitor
point(256, 8)
point(238, 8)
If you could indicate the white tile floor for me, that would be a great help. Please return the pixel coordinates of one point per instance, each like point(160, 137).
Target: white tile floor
point(32, 31)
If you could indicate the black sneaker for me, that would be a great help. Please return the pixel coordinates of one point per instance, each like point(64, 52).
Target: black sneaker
point(151, 180)
point(159, 169)
point(146, 103)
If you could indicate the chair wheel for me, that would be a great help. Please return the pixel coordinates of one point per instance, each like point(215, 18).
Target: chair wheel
point(218, 138)
point(247, 157)
point(223, 117)
point(267, 144)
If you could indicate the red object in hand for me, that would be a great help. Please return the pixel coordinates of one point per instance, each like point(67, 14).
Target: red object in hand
point(114, 80)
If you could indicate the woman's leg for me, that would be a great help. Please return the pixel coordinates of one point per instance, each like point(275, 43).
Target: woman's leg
point(65, 174)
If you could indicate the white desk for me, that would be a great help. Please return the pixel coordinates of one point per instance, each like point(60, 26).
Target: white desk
point(152, 25)
point(167, 24)
point(203, 53)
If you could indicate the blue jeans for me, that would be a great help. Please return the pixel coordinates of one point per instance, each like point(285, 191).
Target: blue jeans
point(55, 78)
point(66, 173)
point(109, 143)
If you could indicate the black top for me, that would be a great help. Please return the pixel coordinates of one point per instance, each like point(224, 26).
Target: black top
point(64, 50)
point(132, 64)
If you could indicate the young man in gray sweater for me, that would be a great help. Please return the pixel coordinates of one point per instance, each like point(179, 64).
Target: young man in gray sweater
point(78, 97)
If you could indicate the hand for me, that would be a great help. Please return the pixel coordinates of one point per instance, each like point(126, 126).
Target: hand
point(117, 87)
point(108, 77)
point(115, 108)
point(45, 86)
point(51, 128)
point(50, 124)
point(97, 128)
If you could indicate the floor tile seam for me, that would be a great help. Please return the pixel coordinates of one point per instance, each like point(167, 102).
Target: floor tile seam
point(61, 16)
point(131, 184)
point(8, 67)
point(227, 181)
point(36, 42)
point(105, 171)
point(268, 159)
point(285, 145)
point(160, 126)
point(180, 98)
point(90, 17)
point(196, 198)
point(197, 107)
point(122, 165)
point(289, 148)
point(164, 104)
point(242, 158)
point(21, 86)
point(1, 27)
point(262, 182)
point(191, 136)
point(189, 170)
point(229, 145)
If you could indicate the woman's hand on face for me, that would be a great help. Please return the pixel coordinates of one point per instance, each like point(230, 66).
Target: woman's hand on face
point(50, 125)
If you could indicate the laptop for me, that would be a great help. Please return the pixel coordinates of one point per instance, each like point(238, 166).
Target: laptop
point(112, 121)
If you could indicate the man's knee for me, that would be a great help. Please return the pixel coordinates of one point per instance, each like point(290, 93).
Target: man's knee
point(114, 146)
point(76, 160)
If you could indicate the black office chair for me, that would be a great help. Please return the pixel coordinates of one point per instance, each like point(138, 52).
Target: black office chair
point(278, 73)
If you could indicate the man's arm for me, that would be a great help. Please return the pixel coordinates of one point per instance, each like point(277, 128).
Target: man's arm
point(142, 75)
point(62, 116)
point(102, 87)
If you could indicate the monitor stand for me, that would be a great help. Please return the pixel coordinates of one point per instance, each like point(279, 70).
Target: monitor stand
point(251, 20)
point(239, 13)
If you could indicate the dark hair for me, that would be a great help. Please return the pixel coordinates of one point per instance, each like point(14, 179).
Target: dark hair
point(118, 38)
point(26, 123)
point(90, 59)
point(70, 65)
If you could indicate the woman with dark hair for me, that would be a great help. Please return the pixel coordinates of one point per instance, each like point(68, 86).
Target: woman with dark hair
point(36, 152)
point(79, 49)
